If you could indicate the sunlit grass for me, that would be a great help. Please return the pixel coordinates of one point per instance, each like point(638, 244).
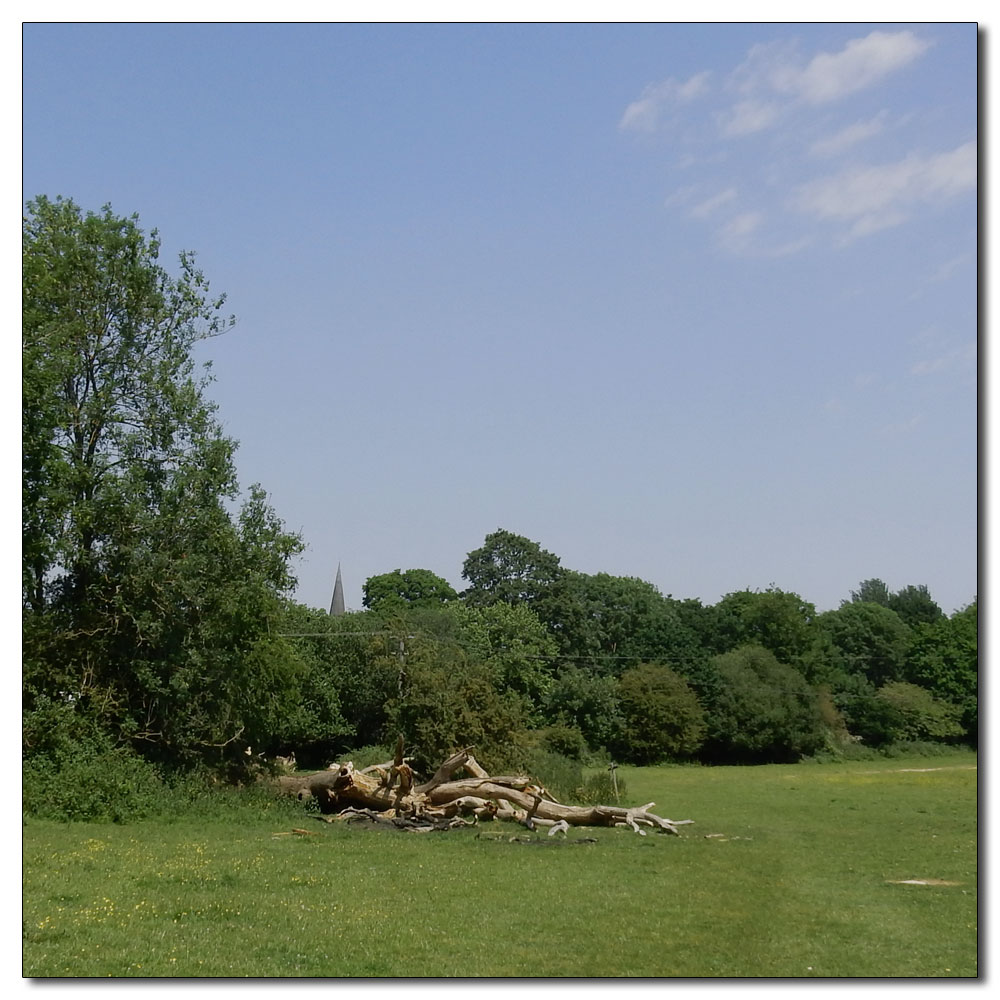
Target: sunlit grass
point(801, 882)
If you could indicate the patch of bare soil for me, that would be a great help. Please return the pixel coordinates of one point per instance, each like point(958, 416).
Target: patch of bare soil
point(921, 881)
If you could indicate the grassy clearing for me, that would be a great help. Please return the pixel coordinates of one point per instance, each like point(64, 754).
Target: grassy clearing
point(802, 883)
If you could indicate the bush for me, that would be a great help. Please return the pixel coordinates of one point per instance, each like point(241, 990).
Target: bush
point(663, 718)
point(584, 701)
point(599, 790)
point(450, 702)
point(921, 716)
point(556, 772)
point(95, 782)
point(918, 748)
point(764, 711)
point(565, 740)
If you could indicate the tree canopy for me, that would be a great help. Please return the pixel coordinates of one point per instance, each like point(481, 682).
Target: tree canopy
point(412, 588)
point(144, 599)
point(508, 568)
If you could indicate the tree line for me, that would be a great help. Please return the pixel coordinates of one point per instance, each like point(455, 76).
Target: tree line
point(158, 616)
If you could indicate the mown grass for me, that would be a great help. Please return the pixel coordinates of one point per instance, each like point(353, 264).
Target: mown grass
point(802, 883)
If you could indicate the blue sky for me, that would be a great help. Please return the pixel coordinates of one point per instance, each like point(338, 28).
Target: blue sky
point(694, 303)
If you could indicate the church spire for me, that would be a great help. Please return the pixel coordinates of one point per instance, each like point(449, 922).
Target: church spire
point(337, 604)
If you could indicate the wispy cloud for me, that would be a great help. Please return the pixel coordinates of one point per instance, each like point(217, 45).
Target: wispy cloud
point(860, 64)
point(901, 427)
point(705, 208)
point(762, 119)
point(643, 115)
point(736, 235)
point(959, 357)
point(774, 76)
point(746, 117)
point(848, 137)
point(948, 268)
point(874, 198)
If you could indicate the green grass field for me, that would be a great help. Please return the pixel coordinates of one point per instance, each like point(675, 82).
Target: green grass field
point(808, 879)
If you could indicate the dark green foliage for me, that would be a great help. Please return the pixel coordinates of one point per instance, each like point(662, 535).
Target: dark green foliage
point(98, 782)
point(914, 605)
point(353, 667)
point(944, 658)
point(146, 605)
point(869, 639)
point(709, 623)
point(415, 587)
point(663, 719)
point(616, 622)
point(567, 741)
point(873, 720)
point(74, 771)
point(764, 712)
point(780, 621)
point(873, 591)
point(448, 702)
point(560, 775)
point(508, 568)
point(514, 642)
point(586, 701)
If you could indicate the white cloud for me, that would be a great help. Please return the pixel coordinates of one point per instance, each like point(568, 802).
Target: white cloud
point(773, 78)
point(948, 268)
point(777, 67)
point(839, 142)
point(735, 235)
point(902, 427)
point(644, 113)
point(961, 356)
point(861, 63)
point(709, 205)
point(746, 117)
point(874, 198)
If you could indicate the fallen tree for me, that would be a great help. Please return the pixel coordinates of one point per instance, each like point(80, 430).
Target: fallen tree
point(388, 793)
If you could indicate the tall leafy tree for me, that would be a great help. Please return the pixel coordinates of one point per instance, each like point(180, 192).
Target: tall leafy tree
point(411, 588)
point(587, 702)
point(870, 639)
point(944, 658)
point(778, 620)
point(514, 642)
point(508, 568)
point(915, 605)
point(146, 601)
point(616, 622)
point(873, 591)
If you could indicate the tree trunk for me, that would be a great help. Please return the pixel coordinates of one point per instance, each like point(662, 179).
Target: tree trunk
point(386, 792)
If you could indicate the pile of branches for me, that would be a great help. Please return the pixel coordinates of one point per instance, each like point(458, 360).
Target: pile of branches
point(388, 794)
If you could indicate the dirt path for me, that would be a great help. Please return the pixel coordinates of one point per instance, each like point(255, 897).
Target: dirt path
point(922, 770)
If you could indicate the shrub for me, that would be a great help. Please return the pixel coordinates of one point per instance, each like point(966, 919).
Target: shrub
point(556, 772)
point(764, 711)
point(448, 703)
point(599, 790)
point(921, 716)
point(871, 719)
point(565, 740)
point(93, 782)
point(663, 718)
point(919, 748)
point(585, 701)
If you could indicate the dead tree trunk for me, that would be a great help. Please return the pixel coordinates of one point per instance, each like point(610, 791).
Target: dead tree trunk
point(387, 792)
